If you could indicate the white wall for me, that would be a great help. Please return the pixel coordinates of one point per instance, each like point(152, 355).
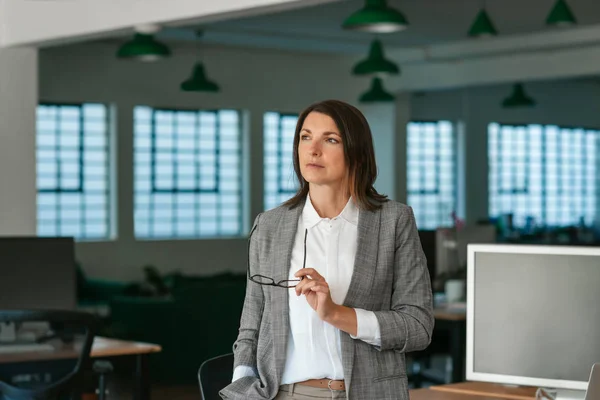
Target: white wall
point(254, 81)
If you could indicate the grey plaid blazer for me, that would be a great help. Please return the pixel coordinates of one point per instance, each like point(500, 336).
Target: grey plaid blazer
point(390, 278)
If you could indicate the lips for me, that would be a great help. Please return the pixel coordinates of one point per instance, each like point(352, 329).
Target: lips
point(311, 165)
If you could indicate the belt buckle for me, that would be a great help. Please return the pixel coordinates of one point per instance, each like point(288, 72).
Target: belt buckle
point(329, 385)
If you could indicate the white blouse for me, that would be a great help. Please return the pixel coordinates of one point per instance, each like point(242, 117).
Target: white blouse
point(314, 346)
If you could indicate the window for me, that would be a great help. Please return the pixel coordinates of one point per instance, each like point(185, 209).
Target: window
point(546, 173)
point(73, 171)
point(431, 173)
point(280, 180)
point(188, 181)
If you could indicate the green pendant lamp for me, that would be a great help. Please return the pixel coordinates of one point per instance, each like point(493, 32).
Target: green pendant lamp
point(376, 94)
point(518, 98)
point(143, 46)
point(376, 17)
point(483, 26)
point(376, 63)
point(198, 82)
point(561, 15)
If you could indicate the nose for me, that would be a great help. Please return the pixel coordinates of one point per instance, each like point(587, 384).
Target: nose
point(315, 148)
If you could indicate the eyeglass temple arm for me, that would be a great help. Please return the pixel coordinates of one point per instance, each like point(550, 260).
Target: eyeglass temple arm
point(249, 241)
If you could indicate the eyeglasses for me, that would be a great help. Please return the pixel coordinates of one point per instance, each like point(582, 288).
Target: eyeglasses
point(265, 280)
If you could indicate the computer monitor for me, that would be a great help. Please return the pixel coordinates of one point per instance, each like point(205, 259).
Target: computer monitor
point(37, 273)
point(533, 315)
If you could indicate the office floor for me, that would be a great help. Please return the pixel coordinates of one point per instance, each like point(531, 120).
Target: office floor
point(121, 389)
point(159, 392)
point(187, 392)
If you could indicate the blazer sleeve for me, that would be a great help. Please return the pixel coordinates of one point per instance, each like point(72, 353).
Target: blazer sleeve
point(408, 325)
point(244, 348)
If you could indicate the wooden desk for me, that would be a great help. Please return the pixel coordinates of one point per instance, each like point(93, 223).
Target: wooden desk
point(455, 322)
point(474, 391)
point(449, 314)
point(428, 394)
point(101, 348)
point(106, 347)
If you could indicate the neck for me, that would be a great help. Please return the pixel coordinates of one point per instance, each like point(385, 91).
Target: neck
point(327, 201)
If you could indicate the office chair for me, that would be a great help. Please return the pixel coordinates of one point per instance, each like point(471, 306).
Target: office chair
point(47, 357)
point(102, 368)
point(214, 374)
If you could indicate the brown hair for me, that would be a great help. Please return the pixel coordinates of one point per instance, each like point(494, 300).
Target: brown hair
point(358, 152)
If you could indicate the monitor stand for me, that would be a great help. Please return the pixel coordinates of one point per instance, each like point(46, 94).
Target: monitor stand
point(565, 394)
point(8, 332)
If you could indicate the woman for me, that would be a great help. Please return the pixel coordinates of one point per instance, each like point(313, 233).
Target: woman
point(339, 289)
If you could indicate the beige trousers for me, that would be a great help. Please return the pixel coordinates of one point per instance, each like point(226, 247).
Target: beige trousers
point(301, 392)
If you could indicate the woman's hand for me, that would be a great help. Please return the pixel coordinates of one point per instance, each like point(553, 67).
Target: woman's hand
point(316, 290)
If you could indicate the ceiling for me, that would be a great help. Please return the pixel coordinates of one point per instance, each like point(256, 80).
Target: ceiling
point(318, 28)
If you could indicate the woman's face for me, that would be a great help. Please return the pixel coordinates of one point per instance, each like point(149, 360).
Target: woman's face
point(320, 151)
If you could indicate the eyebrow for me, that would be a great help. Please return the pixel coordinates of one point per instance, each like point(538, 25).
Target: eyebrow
point(328, 133)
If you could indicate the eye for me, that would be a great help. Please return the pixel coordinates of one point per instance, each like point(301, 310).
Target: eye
point(332, 140)
point(304, 137)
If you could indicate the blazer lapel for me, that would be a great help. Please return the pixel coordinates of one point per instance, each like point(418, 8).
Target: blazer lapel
point(365, 263)
point(282, 250)
point(365, 260)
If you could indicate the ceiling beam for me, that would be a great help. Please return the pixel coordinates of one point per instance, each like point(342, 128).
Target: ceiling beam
point(506, 68)
point(552, 39)
point(51, 22)
point(283, 42)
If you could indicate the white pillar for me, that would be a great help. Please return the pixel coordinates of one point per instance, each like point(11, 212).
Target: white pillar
point(403, 117)
point(18, 102)
point(596, 221)
point(382, 120)
point(475, 161)
point(254, 162)
point(461, 167)
point(122, 171)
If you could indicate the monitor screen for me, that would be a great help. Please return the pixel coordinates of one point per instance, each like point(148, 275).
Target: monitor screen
point(533, 314)
point(37, 273)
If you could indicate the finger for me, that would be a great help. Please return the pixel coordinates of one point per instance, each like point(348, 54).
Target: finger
point(307, 288)
point(301, 284)
point(301, 273)
point(315, 286)
point(313, 273)
point(320, 289)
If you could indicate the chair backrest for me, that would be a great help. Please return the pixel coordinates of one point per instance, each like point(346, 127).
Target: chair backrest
point(214, 375)
point(46, 353)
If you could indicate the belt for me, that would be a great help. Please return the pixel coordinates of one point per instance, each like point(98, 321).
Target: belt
point(324, 384)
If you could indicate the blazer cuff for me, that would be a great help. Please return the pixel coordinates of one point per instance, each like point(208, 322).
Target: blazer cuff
point(243, 370)
point(367, 327)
